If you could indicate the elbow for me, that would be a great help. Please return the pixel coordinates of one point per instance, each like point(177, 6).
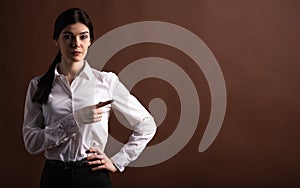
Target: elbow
point(31, 145)
point(153, 128)
point(31, 150)
point(152, 125)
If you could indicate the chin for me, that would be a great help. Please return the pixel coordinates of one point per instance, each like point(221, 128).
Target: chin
point(74, 59)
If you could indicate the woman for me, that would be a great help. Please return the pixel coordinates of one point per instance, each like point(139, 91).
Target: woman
point(63, 119)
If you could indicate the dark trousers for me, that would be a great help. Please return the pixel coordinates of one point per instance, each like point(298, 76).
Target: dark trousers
point(58, 174)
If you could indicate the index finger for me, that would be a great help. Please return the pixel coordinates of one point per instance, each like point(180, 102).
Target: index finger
point(95, 150)
point(101, 104)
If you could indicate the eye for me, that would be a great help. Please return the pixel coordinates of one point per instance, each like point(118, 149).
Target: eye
point(83, 37)
point(67, 37)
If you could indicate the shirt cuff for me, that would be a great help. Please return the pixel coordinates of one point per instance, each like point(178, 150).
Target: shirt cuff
point(119, 163)
point(69, 125)
point(62, 132)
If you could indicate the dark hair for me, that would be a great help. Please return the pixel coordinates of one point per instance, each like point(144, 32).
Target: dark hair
point(69, 16)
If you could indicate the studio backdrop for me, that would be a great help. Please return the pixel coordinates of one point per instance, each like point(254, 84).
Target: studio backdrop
point(220, 78)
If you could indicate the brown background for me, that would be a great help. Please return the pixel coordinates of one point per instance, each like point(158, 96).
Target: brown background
point(256, 43)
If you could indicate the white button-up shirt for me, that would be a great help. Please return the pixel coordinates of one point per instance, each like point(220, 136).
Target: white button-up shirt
point(52, 129)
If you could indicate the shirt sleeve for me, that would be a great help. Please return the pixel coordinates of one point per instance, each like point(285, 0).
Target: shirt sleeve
point(38, 137)
point(140, 120)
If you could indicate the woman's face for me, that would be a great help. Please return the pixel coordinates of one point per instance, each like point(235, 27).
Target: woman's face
point(73, 42)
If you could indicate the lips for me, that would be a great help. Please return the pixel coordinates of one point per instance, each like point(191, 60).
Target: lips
point(76, 53)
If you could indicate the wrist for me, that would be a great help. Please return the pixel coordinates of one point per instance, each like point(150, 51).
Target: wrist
point(115, 167)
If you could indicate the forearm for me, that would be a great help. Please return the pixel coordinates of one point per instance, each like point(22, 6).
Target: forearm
point(137, 142)
point(38, 139)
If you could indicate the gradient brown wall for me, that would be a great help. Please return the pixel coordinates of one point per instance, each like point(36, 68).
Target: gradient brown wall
point(256, 43)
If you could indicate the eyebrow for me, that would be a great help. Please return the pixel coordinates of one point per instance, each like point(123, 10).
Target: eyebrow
point(68, 32)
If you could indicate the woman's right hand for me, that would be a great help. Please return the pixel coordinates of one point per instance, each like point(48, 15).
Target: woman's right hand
point(87, 115)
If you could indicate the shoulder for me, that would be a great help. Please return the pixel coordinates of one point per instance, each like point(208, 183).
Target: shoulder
point(105, 77)
point(34, 82)
point(32, 86)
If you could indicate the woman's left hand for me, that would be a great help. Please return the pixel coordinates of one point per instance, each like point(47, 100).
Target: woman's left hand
point(100, 160)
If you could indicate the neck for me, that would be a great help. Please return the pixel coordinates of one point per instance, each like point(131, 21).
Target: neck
point(70, 69)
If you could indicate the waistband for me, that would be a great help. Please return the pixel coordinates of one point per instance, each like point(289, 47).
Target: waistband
point(67, 164)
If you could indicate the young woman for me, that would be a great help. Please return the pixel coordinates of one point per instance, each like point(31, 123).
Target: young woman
point(63, 117)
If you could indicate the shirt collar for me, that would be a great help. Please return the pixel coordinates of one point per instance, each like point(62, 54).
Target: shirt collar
point(86, 72)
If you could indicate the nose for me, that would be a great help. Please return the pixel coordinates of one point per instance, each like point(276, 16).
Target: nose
point(75, 42)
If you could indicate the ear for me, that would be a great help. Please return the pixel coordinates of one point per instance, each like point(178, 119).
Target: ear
point(56, 43)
